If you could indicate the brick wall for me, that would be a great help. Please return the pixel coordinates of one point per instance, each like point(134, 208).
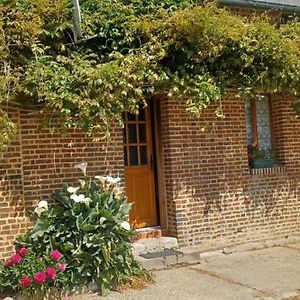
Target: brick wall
point(37, 163)
point(211, 196)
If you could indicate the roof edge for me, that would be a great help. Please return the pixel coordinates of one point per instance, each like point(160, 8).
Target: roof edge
point(263, 5)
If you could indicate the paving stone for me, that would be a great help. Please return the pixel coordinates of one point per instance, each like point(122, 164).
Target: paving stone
point(180, 259)
point(171, 260)
point(153, 264)
point(191, 257)
point(168, 242)
point(244, 247)
point(210, 254)
point(138, 248)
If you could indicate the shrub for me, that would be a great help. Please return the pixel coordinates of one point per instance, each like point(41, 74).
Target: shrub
point(29, 274)
point(88, 226)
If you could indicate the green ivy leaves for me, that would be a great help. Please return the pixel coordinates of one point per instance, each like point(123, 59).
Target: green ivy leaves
point(132, 49)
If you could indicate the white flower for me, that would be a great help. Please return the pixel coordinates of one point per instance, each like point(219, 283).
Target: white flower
point(39, 210)
point(8, 298)
point(112, 180)
point(87, 201)
point(102, 179)
point(77, 198)
point(82, 183)
point(125, 225)
point(82, 166)
point(72, 190)
point(43, 204)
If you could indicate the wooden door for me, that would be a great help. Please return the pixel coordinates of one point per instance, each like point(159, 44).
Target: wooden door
point(139, 171)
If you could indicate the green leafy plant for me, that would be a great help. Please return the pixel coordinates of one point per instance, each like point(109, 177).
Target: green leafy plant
point(132, 49)
point(88, 225)
point(36, 276)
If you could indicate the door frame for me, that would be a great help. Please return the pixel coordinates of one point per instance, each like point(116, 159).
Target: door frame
point(159, 159)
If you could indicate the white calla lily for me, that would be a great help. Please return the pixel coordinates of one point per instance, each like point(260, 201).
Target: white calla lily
point(125, 225)
point(77, 198)
point(43, 204)
point(72, 190)
point(112, 180)
point(102, 179)
point(87, 201)
point(39, 210)
point(82, 183)
point(82, 166)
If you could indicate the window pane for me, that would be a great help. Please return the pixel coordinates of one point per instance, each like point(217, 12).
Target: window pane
point(263, 123)
point(125, 156)
point(132, 133)
point(124, 134)
point(248, 123)
point(141, 112)
point(142, 133)
point(133, 155)
point(131, 117)
point(143, 153)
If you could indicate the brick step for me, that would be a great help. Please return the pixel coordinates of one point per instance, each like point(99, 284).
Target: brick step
point(150, 232)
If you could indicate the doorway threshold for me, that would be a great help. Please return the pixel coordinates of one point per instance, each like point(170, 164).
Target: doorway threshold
point(150, 232)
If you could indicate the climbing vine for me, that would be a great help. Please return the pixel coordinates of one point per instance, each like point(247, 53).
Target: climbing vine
point(134, 48)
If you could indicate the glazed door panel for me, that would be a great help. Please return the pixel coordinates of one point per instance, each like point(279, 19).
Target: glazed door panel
point(139, 173)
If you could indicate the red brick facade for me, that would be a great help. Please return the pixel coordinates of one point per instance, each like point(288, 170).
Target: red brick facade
point(37, 163)
point(211, 197)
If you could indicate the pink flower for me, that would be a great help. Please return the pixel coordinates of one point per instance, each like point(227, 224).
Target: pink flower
point(25, 281)
point(16, 258)
point(50, 273)
point(62, 267)
point(8, 263)
point(40, 277)
point(55, 255)
point(23, 251)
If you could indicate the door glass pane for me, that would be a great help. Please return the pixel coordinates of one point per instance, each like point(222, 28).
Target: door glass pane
point(124, 134)
point(125, 156)
point(141, 113)
point(132, 133)
point(142, 133)
point(143, 154)
point(133, 155)
point(131, 117)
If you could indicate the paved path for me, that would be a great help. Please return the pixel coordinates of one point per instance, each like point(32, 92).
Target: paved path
point(269, 274)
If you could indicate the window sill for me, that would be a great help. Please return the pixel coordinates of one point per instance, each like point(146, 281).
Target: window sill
point(265, 171)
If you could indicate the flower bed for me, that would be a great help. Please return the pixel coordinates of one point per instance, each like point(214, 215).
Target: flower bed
point(83, 238)
point(27, 274)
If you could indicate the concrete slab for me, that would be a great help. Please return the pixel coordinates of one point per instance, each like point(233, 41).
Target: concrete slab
point(275, 271)
point(183, 284)
point(267, 274)
point(295, 246)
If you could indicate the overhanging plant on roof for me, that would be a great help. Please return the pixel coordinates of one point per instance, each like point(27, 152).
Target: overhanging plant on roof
point(130, 49)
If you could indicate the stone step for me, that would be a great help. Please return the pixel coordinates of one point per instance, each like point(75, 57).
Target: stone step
point(164, 259)
point(143, 246)
point(161, 259)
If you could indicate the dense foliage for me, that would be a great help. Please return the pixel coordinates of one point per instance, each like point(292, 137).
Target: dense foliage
point(87, 224)
point(130, 49)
